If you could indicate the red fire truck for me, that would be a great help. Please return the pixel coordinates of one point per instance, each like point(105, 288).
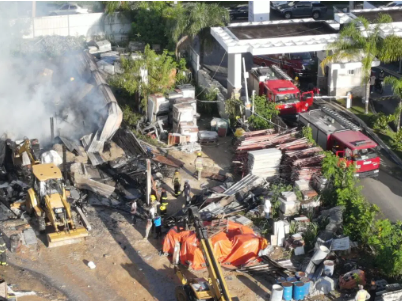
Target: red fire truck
point(278, 87)
point(295, 64)
point(333, 132)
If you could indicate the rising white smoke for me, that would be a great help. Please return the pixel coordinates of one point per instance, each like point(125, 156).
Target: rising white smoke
point(34, 88)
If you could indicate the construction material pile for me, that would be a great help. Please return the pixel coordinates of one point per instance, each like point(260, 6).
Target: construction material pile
point(300, 160)
point(270, 155)
point(265, 163)
point(257, 140)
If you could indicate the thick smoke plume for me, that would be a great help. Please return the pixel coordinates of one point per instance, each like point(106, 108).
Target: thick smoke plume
point(37, 86)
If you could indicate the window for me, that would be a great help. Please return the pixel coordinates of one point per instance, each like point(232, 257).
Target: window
point(364, 154)
point(287, 98)
point(64, 7)
point(301, 4)
point(300, 56)
point(351, 72)
point(73, 7)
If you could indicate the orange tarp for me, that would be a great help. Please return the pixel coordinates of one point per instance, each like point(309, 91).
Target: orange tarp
point(222, 246)
point(191, 254)
point(172, 237)
point(245, 248)
point(237, 247)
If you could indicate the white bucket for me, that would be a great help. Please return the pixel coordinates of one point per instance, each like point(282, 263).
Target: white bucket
point(329, 267)
point(277, 293)
point(320, 255)
point(91, 265)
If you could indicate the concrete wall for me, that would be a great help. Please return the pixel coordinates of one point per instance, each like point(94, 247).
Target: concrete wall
point(204, 80)
point(391, 296)
point(97, 25)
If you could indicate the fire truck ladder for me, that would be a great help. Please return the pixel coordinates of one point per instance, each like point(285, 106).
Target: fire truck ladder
point(340, 119)
point(280, 72)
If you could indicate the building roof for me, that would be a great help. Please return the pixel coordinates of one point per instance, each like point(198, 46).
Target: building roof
point(271, 37)
point(44, 172)
point(354, 139)
point(372, 15)
point(267, 31)
point(281, 86)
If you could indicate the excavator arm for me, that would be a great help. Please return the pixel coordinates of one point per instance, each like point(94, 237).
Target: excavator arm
point(217, 280)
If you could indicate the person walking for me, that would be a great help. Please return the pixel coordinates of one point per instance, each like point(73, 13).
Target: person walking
point(148, 227)
point(198, 165)
point(187, 192)
point(164, 203)
point(3, 249)
point(177, 183)
point(362, 294)
point(372, 82)
point(133, 212)
point(158, 226)
point(267, 207)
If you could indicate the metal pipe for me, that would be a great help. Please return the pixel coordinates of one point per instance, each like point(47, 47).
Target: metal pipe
point(51, 129)
point(65, 163)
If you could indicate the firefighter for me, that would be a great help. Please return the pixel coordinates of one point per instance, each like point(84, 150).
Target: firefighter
point(187, 191)
point(198, 165)
point(3, 255)
point(164, 203)
point(176, 183)
point(296, 81)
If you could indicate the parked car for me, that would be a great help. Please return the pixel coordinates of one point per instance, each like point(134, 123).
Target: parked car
point(302, 9)
point(239, 12)
point(276, 4)
point(393, 4)
point(302, 65)
point(69, 9)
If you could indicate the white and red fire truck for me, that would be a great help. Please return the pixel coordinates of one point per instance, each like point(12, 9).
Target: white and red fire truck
point(333, 132)
point(278, 87)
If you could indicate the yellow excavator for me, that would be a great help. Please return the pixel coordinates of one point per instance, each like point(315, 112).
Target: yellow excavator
point(24, 157)
point(200, 289)
point(48, 201)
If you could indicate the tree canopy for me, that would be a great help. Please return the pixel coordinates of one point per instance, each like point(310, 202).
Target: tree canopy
point(361, 41)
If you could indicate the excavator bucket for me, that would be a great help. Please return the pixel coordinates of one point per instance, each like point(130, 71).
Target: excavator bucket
point(62, 238)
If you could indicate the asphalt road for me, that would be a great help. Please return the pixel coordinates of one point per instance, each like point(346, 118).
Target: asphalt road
point(385, 191)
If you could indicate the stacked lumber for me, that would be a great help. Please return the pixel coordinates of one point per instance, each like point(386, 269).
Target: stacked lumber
point(265, 163)
point(257, 140)
point(300, 160)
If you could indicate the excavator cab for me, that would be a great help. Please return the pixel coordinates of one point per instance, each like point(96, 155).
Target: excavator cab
point(48, 201)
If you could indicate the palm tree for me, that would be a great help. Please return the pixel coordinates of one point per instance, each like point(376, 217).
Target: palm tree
point(192, 19)
point(361, 41)
point(396, 84)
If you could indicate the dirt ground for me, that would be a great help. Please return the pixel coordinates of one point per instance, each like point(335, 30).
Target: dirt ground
point(127, 266)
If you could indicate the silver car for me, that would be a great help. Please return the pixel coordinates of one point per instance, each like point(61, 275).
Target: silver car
point(69, 9)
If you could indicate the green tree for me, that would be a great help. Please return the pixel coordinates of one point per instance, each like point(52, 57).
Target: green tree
point(160, 74)
point(149, 23)
point(361, 41)
point(359, 216)
point(386, 240)
point(264, 112)
point(396, 84)
point(185, 22)
point(382, 120)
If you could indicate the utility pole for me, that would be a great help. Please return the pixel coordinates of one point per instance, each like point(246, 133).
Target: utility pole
point(33, 9)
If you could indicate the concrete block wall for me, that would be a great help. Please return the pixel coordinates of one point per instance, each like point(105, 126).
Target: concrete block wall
point(114, 26)
point(206, 81)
